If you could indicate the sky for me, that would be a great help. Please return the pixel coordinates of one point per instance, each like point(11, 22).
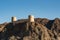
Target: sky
point(22, 8)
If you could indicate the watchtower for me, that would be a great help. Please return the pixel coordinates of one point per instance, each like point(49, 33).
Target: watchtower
point(13, 19)
point(31, 18)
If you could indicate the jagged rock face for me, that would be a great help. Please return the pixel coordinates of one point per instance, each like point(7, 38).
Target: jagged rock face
point(41, 29)
point(56, 25)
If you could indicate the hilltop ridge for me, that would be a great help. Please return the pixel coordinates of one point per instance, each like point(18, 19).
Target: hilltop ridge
point(38, 29)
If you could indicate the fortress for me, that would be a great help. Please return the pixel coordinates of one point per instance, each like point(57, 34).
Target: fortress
point(30, 19)
point(30, 29)
point(14, 19)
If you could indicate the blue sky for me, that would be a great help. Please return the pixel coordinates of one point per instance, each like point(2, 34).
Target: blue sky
point(22, 8)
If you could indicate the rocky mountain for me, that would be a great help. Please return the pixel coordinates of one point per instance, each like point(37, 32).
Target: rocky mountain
point(41, 29)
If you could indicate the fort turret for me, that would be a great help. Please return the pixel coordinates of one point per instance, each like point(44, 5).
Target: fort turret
point(31, 18)
point(13, 19)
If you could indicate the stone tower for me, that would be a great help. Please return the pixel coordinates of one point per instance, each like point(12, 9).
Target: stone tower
point(13, 19)
point(31, 18)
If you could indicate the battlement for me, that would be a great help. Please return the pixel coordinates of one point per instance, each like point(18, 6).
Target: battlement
point(30, 18)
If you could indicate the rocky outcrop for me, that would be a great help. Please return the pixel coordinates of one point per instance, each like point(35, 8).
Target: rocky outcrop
point(41, 29)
